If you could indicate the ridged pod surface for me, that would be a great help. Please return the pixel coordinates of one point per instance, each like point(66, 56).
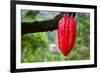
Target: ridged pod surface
point(66, 34)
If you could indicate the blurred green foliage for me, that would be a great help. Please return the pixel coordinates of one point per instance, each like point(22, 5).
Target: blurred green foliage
point(28, 15)
point(35, 47)
point(32, 44)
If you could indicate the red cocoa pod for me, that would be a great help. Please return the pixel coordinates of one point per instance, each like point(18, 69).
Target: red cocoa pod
point(66, 34)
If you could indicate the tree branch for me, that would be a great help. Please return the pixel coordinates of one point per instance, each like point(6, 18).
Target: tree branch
point(47, 25)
